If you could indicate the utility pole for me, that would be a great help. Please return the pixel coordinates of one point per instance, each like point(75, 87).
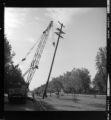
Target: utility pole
point(59, 36)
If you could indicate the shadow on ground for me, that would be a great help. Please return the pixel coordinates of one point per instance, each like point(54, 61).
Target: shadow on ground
point(17, 101)
point(98, 105)
point(48, 107)
point(63, 107)
point(66, 106)
point(76, 100)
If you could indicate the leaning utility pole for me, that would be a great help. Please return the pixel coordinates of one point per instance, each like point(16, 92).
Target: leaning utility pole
point(59, 36)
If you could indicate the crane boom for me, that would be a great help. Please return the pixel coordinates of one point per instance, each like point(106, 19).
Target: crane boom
point(38, 53)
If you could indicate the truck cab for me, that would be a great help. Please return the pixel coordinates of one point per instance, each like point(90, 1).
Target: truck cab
point(17, 92)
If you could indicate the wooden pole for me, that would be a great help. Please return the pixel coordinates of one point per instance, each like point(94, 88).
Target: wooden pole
point(59, 36)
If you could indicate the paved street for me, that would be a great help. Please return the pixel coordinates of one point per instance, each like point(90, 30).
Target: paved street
point(37, 105)
point(65, 103)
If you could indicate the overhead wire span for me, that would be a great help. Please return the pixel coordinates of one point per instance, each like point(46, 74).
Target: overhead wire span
point(23, 59)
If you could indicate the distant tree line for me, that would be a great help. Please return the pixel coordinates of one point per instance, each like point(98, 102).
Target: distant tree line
point(79, 80)
point(75, 81)
point(12, 74)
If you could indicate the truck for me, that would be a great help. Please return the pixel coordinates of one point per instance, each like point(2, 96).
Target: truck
point(17, 91)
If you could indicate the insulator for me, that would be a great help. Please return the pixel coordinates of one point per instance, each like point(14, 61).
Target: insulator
point(44, 32)
point(61, 36)
point(53, 43)
point(61, 24)
point(63, 32)
point(36, 66)
point(58, 29)
point(57, 33)
point(23, 59)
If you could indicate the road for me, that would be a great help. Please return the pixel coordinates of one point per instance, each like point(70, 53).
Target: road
point(30, 105)
point(65, 103)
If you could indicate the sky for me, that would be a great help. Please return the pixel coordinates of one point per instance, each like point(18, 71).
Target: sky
point(85, 30)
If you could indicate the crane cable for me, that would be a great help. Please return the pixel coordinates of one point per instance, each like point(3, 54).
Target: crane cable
point(39, 50)
point(38, 53)
point(23, 59)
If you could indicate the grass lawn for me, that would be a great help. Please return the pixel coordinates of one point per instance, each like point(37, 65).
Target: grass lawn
point(83, 103)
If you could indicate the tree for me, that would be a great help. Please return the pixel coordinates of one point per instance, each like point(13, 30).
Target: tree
point(7, 52)
point(56, 85)
point(75, 81)
point(7, 61)
point(79, 80)
point(50, 88)
point(99, 83)
point(100, 77)
point(101, 62)
point(12, 75)
point(66, 82)
point(85, 80)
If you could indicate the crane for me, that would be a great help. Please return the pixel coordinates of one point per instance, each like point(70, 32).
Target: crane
point(37, 55)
